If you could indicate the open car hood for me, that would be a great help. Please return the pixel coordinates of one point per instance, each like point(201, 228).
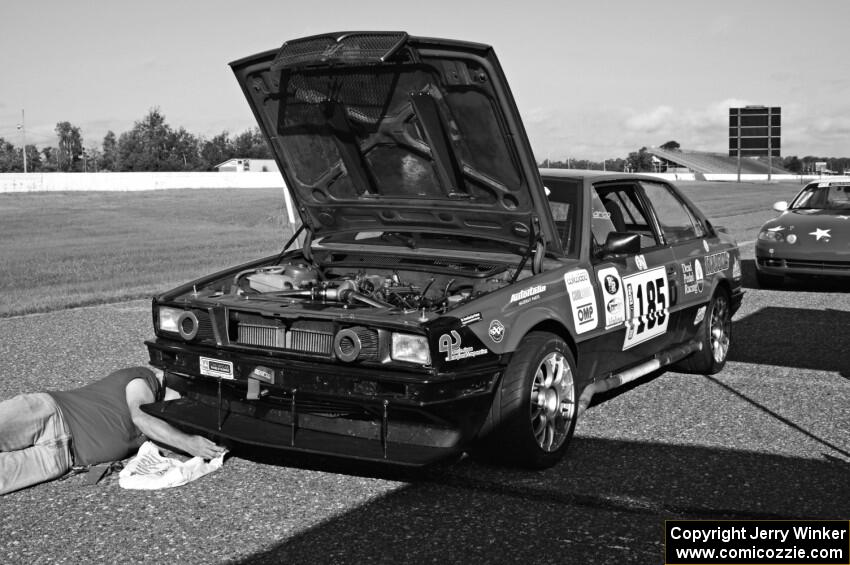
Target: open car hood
point(381, 131)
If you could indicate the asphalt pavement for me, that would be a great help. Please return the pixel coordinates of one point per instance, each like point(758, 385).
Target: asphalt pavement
point(769, 437)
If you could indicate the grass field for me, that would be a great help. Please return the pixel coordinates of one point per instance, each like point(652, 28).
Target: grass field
point(59, 250)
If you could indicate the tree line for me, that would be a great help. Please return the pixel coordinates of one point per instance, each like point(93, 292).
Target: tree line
point(151, 145)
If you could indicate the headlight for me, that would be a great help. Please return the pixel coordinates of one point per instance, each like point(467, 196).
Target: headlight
point(169, 319)
point(411, 348)
point(767, 235)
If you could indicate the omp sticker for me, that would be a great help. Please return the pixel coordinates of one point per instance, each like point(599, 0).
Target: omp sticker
point(528, 295)
point(705, 246)
point(496, 331)
point(716, 263)
point(692, 277)
point(646, 306)
point(263, 374)
point(599, 215)
point(450, 345)
point(582, 300)
point(612, 296)
point(470, 319)
point(216, 368)
point(700, 315)
point(640, 261)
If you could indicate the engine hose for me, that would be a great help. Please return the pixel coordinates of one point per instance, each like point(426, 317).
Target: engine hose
point(539, 252)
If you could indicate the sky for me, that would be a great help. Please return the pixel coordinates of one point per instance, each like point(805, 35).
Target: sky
point(593, 79)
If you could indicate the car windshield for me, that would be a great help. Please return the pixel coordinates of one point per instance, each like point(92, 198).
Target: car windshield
point(417, 240)
point(835, 197)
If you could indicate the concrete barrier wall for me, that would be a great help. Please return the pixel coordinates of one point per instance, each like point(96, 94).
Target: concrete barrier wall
point(117, 182)
point(46, 182)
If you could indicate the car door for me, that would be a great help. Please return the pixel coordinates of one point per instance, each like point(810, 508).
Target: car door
point(636, 289)
point(685, 235)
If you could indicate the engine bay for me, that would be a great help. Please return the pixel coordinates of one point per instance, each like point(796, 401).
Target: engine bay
point(360, 282)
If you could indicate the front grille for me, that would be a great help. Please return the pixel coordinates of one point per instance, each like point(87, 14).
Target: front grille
point(820, 265)
point(307, 336)
point(262, 335)
point(310, 341)
point(825, 266)
point(205, 328)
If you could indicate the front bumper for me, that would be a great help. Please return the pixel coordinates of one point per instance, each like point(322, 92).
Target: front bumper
point(325, 408)
point(772, 265)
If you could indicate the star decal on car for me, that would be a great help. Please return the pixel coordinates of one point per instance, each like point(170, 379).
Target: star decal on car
point(820, 234)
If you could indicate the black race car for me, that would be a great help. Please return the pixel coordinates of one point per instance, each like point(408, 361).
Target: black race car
point(443, 294)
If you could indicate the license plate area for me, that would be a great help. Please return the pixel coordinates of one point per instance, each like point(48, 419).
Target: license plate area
point(216, 368)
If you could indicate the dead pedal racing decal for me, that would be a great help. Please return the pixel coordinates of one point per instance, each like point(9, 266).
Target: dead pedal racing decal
point(716, 263)
point(528, 295)
point(582, 300)
point(450, 345)
point(646, 306)
point(496, 331)
point(612, 296)
point(470, 319)
point(693, 277)
point(216, 368)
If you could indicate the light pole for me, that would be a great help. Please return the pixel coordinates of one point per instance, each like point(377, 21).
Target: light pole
point(23, 128)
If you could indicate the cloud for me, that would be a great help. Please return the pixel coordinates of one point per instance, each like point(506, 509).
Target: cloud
point(702, 129)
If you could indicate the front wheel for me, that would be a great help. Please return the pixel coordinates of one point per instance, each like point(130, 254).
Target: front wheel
point(534, 411)
point(715, 333)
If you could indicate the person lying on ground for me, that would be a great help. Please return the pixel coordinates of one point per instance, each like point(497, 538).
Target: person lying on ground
point(43, 435)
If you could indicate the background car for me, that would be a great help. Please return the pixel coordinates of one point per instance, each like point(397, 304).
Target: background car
point(445, 295)
point(810, 238)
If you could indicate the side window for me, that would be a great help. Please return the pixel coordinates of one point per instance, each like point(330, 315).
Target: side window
point(677, 222)
point(617, 208)
point(564, 203)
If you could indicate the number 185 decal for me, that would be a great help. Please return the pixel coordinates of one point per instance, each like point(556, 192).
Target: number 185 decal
point(646, 306)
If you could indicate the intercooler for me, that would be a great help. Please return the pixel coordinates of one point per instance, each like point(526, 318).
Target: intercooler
point(306, 340)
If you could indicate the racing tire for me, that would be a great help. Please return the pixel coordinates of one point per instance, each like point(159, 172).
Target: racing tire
point(769, 281)
point(715, 334)
point(534, 410)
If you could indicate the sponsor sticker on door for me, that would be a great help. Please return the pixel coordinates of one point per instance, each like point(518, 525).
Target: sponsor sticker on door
point(647, 308)
point(612, 296)
point(582, 300)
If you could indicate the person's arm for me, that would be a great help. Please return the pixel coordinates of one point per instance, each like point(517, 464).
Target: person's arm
point(138, 393)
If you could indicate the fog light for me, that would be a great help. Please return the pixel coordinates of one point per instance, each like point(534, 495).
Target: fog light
point(791, 238)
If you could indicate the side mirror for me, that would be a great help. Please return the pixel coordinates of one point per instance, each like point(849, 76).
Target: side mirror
point(780, 206)
point(621, 243)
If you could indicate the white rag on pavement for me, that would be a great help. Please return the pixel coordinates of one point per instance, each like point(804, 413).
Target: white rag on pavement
point(150, 470)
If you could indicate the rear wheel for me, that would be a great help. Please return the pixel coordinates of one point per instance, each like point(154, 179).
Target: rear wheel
point(715, 333)
point(533, 416)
